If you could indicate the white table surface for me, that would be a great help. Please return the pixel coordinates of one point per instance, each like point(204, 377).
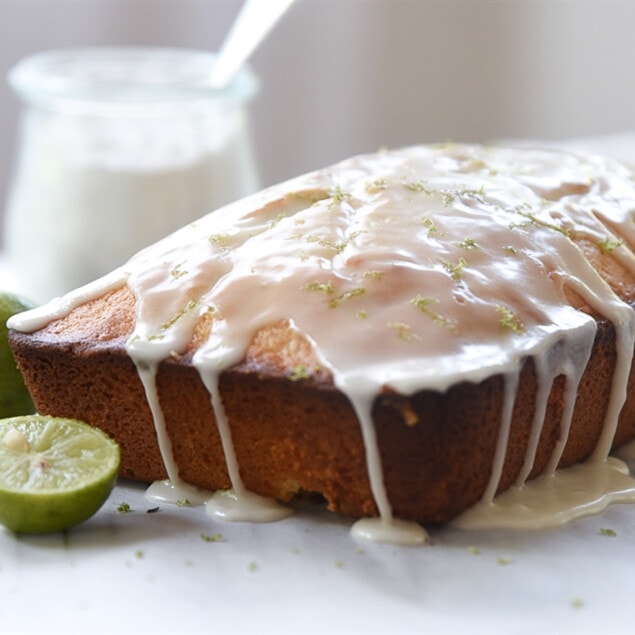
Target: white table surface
point(142, 572)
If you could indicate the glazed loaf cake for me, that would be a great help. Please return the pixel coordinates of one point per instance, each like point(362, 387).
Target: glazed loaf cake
point(407, 333)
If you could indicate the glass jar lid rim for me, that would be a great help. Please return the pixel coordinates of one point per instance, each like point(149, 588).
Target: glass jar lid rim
point(125, 75)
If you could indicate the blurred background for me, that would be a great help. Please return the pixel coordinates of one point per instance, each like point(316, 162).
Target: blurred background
point(343, 77)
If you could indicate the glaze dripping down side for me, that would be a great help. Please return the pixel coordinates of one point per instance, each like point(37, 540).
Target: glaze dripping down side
point(408, 270)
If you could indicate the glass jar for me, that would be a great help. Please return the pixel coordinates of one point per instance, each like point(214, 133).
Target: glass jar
point(118, 148)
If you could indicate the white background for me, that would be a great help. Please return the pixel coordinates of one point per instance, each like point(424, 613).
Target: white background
point(342, 77)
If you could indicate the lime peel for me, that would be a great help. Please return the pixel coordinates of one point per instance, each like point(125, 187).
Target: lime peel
point(54, 472)
point(14, 395)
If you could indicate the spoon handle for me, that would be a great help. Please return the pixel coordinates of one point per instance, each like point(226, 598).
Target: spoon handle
point(255, 20)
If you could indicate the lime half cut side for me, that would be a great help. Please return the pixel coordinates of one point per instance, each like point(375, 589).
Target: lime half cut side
point(54, 472)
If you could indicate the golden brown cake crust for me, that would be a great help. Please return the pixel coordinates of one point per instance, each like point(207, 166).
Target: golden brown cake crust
point(301, 435)
point(433, 277)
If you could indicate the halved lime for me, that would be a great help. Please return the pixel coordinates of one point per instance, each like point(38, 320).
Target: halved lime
point(14, 396)
point(54, 472)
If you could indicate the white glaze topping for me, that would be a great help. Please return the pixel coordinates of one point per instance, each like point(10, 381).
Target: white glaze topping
point(415, 269)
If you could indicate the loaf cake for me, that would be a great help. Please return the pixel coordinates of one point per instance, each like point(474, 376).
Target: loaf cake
point(408, 334)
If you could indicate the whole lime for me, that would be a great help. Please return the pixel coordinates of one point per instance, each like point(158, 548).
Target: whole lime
point(14, 395)
point(54, 472)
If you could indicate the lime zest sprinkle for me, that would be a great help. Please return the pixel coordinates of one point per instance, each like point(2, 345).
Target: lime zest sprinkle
point(468, 243)
point(577, 603)
point(300, 372)
point(543, 223)
point(404, 331)
point(192, 304)
point(220, 240)
point(430, 224)
point(347, 295)
point(447, 196)
point(420, 186)
point(123, 508)
point(320, 287)
point(376, 186)
point(455, 269)
point(423, 304)
point(609, 244)
point(474, 550)
point(177, 272)
point(253, 567)
point(313, 196)
point(183, 502)
point(339, 195)
point(509, 319)
point(605, 531)
point(212, 537)
point(375, 273)
point(336, 247)
point(277, 219)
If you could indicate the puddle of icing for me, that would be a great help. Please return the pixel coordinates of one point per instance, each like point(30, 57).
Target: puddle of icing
point(392, 531)
point(246, 507)
point(166, 492)
point(554, 499)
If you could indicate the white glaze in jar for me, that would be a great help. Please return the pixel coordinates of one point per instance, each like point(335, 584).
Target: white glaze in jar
point(118, 148)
